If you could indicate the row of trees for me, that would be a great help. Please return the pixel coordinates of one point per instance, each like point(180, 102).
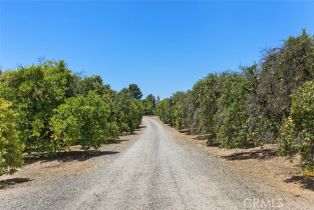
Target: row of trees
point(266, 102)
point(46, 108)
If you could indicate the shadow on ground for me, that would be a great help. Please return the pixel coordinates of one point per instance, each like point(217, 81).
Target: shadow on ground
point(257, 154)
point(68, 156)
point(136, 132)
point(11, 182)
point(141, 127)
point(305, 182)
point(116, 141)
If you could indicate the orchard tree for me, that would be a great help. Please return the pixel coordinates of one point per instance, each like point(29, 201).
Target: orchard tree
point(297, 132)
point(152, 100)
point(164, 110)
point(11, 147)
point(283, 70)
point(95, 84)
point(205, 94)
point(135, 91)
point(230, 118)
point(129, 111)
point(83, 120)
point(34, 92)
point(149, 105)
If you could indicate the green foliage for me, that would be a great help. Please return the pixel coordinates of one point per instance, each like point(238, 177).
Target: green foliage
point(171, 110)
point(129, 111)
point(185, 110)
point(83, 120)
point(177, 112)
point(164, 110)
point(230, 118)
point(10, 146)
point(95, 84)
point(204, 95)
point(297, 132)
point(283, 70)
point(35, 91)
point(135, 91)
point(252, 107)
point(149, 105)
point(53, 109)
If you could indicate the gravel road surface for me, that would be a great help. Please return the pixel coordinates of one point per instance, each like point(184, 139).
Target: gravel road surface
point(158, 171)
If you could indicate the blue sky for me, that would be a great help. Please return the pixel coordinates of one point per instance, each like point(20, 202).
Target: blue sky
point(162, 46)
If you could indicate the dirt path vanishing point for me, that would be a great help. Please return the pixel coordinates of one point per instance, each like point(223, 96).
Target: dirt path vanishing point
point(155, 172)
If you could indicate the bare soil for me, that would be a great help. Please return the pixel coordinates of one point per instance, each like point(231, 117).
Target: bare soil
point(43, 169)
point(263, 164)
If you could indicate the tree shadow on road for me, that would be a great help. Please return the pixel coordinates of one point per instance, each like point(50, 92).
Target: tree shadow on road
point(141, 127)
point(68, 156)
point(136, 132)
point(11, 182)
point(305, 182)
point(116, 141)
point(257, 154)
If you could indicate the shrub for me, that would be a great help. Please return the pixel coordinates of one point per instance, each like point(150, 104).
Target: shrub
point(10, 146)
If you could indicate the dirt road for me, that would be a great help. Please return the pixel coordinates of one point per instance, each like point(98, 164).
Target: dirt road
point(158, 171)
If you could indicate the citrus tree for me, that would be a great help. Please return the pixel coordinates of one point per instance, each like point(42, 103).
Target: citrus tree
point(34, 92)
point(10, 146)
point(83, 120)
point(297, 132)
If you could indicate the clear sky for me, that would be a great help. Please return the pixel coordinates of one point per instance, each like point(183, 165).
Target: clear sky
point(162, 46)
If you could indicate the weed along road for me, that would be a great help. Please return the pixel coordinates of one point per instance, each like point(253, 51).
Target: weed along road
point(157, 171)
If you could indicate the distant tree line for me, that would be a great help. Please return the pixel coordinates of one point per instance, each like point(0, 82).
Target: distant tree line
point(46, 108)
point(272, 101)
